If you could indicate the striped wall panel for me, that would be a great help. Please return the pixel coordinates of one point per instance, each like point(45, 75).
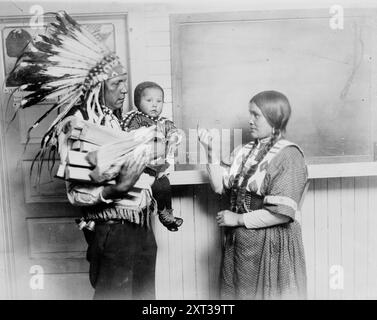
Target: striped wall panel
point(339, 223)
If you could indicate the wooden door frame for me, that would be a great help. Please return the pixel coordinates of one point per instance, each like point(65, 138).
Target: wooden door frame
point(8, 273)
point(7, 261)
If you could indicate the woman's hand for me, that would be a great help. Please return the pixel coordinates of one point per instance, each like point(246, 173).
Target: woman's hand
point(173, 141)
point(205, 138)
point(227, 218)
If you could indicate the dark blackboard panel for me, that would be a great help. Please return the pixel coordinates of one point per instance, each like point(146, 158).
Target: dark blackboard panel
point(220, 61)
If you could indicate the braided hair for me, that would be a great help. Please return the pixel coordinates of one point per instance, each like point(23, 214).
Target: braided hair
point(276, 109)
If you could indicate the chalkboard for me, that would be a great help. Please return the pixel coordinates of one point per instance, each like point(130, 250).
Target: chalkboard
point(219, 61)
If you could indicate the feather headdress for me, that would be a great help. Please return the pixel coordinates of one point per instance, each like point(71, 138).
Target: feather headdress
point(68, 63)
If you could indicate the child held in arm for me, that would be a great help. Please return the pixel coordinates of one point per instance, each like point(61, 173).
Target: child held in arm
point(149, 99)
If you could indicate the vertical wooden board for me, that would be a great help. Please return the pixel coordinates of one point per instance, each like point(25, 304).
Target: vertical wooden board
point(201, 241)
point(159, 38)
point(158, 23)
point(335, 237)
point(138, 53)
point(175, 255)
point(372, 238)
point(214, 243)
point(361, 237)
point(308, 236)
point(321, 239)
point(188, 244)
point(155, 10)
point(162, 261)
point(348, 211)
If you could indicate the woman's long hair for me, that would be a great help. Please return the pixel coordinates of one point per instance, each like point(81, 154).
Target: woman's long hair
point(276, 108)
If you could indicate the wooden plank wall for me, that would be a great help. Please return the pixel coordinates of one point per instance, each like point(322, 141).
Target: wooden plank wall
point(339, 223)
point(188, 261)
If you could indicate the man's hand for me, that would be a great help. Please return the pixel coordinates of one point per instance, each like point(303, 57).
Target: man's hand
point(134, 167)
point(228, 218)
point(130, 172)
point(128, 175)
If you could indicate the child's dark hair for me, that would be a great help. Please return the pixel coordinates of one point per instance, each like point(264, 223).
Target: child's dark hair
point(141, 87)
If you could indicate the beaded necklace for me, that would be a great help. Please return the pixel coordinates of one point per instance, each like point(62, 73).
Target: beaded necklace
point(238, 190)
point(131, 115)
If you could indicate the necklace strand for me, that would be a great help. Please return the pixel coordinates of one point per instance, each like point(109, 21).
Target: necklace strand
point(155, 119)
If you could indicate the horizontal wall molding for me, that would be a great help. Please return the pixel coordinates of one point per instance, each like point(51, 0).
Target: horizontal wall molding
point(315, 171)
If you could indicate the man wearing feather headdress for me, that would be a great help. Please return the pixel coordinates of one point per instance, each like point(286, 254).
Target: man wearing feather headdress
point(91, 83)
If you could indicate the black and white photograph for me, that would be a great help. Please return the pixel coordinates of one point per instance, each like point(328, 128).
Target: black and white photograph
point(188, 150)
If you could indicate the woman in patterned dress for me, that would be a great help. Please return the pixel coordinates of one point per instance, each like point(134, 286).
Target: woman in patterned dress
point(263, 254)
